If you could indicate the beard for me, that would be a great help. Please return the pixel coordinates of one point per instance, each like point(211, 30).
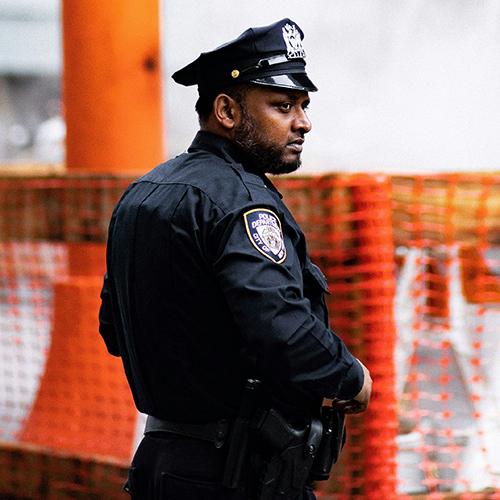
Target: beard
point(260, 154)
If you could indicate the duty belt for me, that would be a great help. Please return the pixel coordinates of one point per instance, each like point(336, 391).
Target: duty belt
point(215, 432)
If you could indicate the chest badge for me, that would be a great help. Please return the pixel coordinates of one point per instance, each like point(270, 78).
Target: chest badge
point(264, 231)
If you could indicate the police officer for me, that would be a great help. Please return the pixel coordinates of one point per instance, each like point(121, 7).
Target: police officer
point(208, 277)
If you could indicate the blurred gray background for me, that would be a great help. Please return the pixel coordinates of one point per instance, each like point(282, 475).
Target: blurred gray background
point(405, 85)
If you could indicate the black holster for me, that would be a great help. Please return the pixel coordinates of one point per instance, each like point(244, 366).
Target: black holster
point(332, 442)
point(273, 459)
point(286, 472)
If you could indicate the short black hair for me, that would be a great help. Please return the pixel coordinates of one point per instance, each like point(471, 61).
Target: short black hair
point(204, 104)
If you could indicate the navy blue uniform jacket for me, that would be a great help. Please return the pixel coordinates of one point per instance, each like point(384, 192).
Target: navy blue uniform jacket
point(197, 299)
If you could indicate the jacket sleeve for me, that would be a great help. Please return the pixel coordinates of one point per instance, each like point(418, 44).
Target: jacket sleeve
point(106, 327)
point(265, 294)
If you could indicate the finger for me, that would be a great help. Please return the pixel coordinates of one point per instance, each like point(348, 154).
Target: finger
point(354, 409)
point(340, 405)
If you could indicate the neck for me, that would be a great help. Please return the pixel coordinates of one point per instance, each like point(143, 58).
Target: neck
point(213, 126)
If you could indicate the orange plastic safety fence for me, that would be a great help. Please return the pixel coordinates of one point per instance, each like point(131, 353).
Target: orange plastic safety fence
point(64, 208)
point(347, 220)
point(447, 235)
point(34, 473)
point(59, 388)
point(428, 338)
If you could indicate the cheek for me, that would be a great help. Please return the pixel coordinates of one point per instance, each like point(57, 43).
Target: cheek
point(275, 130)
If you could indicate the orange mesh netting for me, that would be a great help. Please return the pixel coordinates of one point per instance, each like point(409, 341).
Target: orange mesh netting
point(60, 390)
point(348, 224)
point(413, 265)
point(447, 235)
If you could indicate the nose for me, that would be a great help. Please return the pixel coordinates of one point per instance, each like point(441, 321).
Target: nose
point(302, 122)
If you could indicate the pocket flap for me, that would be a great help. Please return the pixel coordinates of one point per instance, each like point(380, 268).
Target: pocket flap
point(318, 276)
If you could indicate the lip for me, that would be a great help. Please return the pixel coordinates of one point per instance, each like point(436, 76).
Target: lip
point(296, 145)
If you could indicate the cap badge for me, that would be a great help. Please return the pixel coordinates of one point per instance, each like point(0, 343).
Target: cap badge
point(235, 73)
point(293, 42)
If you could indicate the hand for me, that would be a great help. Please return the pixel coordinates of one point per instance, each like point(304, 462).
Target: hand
point(360, 402)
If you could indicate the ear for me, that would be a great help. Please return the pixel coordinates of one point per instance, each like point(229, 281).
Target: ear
point(226, 111)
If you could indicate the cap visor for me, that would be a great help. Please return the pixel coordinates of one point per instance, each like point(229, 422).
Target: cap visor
point(298, 81)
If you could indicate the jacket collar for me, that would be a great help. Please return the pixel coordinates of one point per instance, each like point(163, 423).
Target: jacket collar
point(227, 150)
point(217, 145)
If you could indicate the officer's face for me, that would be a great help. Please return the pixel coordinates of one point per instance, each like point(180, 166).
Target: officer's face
point(272, 127)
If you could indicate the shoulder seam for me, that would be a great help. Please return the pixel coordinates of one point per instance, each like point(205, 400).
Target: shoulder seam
point(240, 177)
point(197, 188)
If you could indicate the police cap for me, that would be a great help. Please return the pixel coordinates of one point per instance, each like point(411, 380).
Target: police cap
point(270, 55)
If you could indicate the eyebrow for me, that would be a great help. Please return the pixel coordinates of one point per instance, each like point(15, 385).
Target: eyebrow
point(296, 97)
point(293, 95)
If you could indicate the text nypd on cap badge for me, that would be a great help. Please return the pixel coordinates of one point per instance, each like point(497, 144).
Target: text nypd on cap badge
point(264, 231)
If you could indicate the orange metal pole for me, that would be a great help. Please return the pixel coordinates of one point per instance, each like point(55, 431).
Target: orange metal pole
point(112, 100)
point(112, 85)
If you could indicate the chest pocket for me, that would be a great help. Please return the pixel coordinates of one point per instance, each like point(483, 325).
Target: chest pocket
point(315, 287)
